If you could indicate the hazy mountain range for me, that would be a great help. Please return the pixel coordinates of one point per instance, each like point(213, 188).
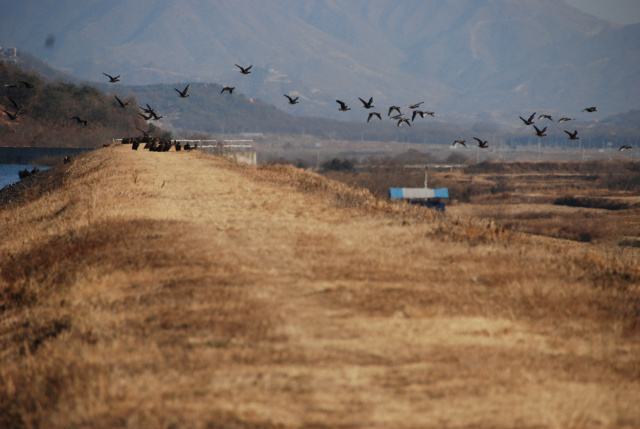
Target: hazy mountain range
point(466, 59)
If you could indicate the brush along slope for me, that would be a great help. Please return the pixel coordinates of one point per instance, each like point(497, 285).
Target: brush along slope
point(144, 289)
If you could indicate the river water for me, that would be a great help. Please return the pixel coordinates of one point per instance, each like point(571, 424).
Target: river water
point(9, 173)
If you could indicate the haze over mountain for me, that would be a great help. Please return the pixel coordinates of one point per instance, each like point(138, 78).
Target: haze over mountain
point(463, 58)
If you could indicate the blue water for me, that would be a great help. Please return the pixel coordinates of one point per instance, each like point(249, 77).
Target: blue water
point(9, 173)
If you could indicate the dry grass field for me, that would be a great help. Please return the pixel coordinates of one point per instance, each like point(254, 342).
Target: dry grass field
point(179, 290)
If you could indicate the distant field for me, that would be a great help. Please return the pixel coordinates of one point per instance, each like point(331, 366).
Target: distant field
point(167, 290)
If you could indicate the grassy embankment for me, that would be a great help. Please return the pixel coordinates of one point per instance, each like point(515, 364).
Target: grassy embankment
point(176, 290)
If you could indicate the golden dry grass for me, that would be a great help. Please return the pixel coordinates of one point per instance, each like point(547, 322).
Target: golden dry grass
point(171, 290)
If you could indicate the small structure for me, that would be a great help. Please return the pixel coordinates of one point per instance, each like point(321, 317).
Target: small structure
point(238, 150)
point(432, 198)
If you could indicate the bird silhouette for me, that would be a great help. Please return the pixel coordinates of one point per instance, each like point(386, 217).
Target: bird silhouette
point(416, 113)
point(146, 118)
point(590, 109)
point(372, 114)
point(392, 108)
point(403, 121)
point(343, 106)
point(112, 79)
point(397, 117)
point(625, 147)
point(291, 99)
point(184, 93)
point(561, 120)
point(528, 121)
point(415, 106)
point(546, 117)
point(367, 104)
point(12, 116)
point(121, 103)
point(481, 144)
point(229, 89)
point(244, 70)
point(152, 113)
point(573, 135)
point(15, 103)
point(459, 142)
point(540, 133)
point(79, 120)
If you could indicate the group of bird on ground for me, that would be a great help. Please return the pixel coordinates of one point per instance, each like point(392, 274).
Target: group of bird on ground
point(151, 114)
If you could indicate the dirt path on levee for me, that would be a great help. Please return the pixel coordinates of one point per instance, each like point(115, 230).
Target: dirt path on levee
point(173, 290)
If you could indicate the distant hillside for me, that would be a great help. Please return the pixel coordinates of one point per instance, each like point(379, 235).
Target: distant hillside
point(465, 59)
point(40, 112)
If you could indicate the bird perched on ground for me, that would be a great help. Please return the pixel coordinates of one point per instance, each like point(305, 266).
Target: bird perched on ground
point(112, 79)
point(367, 104)
point(343, 106)
point(372, 114)
point(415, 106)
point(546, 117)
point(528, 121)
point(244, 70)
point(184, 93)
point(540, 133)
point(291, 99)
point(459, 142)
point(625, 147)
point(79, 120)
point(392, 108)
point(121, 103)
point(561, 120)
point(229, 89)
point(481, 144)
point(12, 116)
point(590, 109)
point(573, 135)
point(403, 121)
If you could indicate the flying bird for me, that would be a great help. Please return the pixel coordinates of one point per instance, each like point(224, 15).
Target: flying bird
point(564, 120)
point(12, 116)
point(590, 109)
point(112, 79)
point(545, 117)
point(416, 113)
point(367, 104)
point(372, 114)
point(625, 147)
point(540, 133)
point(244, 70)
point(403, 121)
point(573, 135)
point(79, 120)
point(392, 108)
point(343, 106)
point(397, 117)
point(121, 103)
point(528, 121)
point(459, 142)
point(229, 89)
point(291, 99)
point(15, 103)
point(184, 93)
point(415, 106)
point(481, 144)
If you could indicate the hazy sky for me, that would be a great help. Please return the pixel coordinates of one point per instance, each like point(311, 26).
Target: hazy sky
point(620, 11)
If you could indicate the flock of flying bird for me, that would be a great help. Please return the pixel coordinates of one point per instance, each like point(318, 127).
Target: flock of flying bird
point(151, 114)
